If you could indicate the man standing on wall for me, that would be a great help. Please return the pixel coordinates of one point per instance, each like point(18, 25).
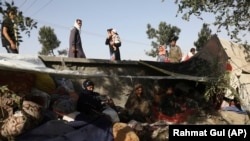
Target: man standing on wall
point(175, 54)
point(113, 41)
point(8, 32)
point(75, 44)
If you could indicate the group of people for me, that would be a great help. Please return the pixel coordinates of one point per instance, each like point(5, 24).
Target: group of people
point(75, 45)
point(9, 41)
point(91, 103)
point(140, 105)
point(174, 54)
point(85, 102)
point(137, 107)
point(9, 38)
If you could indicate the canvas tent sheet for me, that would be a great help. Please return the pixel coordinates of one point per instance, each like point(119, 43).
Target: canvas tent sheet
point(22, 62)
point(239, 59)
point(32, 63)
point(238, 56)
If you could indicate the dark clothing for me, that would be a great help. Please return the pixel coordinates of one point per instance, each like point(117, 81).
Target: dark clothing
point(169, 105)
point(110, 47)
point(94, 104)
point(10, 50)
point(83, 129)
point(111, 50)
point(89, 102)
point(11, 32)
point(75, 42)
point(117, 54)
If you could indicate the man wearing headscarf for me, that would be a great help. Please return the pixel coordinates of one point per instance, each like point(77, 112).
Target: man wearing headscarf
point(138, 105)
point(75, 44)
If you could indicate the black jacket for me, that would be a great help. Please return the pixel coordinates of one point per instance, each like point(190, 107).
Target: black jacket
point(10, 26)
point(89, 101)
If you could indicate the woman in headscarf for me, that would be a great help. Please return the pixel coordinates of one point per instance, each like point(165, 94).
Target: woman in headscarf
point(162, 56)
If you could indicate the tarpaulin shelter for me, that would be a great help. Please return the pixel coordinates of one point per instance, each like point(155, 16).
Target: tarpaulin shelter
point(209, 63)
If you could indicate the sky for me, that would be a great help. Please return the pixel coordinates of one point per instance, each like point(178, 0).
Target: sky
point(128, 17)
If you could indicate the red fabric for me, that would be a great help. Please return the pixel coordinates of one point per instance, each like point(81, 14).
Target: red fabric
point(229, 67)
point(167, 60)
point(186, 58)
point(177, 118)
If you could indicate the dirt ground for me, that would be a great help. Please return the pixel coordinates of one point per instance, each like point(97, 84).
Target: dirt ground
point(224, 118)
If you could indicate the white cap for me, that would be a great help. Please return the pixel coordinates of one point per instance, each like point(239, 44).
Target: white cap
point(113, 30)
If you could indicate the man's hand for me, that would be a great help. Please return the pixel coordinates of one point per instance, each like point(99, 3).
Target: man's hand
point(74, 50)
point(13, 45)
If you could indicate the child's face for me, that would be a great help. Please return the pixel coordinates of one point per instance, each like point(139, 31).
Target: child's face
point(160, 48)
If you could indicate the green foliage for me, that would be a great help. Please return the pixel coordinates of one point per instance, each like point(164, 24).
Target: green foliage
point(161, 36)
point(48, 40)
point(232, 15)
point(24, 24)
point(216, 89)
point(203, 36)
